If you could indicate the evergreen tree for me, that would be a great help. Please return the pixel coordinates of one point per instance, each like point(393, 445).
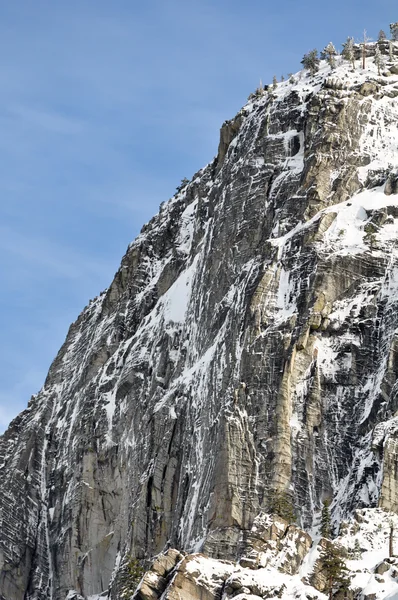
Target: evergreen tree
point(325, 520)
point(311, 61)
point(382, 36)
point(131, 574)
point(379, 60)
point(391, 540)
point(335, 570)
point(259, 91)
point(348, 51)
point(283, 78)
point(394, 31)
point(390, 52)
point(357, 550)
point(281, 504)
point(329, 54)
point(274, 82)
point(183, 184)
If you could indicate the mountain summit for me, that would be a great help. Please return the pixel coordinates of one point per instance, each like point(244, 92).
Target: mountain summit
point(243, 361)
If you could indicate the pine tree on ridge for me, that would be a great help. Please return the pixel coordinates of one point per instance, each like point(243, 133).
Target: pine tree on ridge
point(348, 52)
point(329, 54)
point(311, 61)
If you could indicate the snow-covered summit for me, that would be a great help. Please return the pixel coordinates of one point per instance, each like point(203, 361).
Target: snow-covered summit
point(343, 76)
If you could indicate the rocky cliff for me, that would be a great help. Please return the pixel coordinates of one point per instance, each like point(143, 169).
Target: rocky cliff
point(247, 346)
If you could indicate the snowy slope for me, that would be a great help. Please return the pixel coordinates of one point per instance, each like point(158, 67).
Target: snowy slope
point(363, 544)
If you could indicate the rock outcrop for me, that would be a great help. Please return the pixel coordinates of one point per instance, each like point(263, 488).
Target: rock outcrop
point(363, 543)
point(246, 347)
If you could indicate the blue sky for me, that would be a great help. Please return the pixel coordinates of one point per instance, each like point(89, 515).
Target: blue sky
point(105, 107)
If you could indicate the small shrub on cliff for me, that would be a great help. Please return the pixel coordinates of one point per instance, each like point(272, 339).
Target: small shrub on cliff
point(357, 550)
point(281, 504)
point(370, 235)
point(132, 572)
point(183, 184)
point(260, 91)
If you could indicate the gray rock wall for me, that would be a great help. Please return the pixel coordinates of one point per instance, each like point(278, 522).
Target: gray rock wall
point(241, 349)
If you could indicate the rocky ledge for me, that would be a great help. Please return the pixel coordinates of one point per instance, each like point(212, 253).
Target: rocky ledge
point(281, 561)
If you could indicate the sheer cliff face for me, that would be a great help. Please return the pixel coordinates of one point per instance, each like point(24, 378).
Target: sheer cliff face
point(247, 344)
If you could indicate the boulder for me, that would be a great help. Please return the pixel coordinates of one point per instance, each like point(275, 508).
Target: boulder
point(292, 550)
point(368, 88)
point(391, 184)
point(164, 563)
point(198, 577)
point(151, 587)
point(382, 568)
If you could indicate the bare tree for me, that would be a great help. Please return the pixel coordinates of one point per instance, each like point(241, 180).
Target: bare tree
point(366, 39)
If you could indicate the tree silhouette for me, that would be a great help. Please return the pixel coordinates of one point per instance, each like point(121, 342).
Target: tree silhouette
point(348, 51)
point(325, 520)
point(335, 570)
point(311, 61)
point(329, 54)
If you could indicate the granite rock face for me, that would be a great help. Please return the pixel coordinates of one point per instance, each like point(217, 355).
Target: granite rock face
point(247, 345)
